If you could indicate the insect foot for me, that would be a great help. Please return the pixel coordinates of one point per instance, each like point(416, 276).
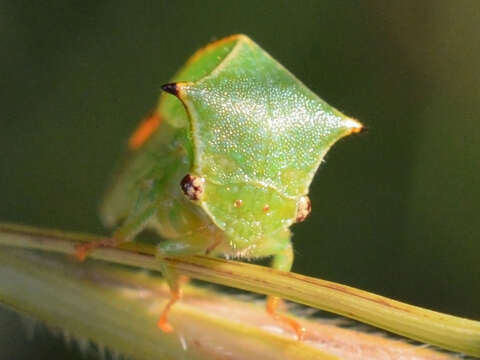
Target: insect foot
point(82, 250)
point(304, 208)
point(192, 186)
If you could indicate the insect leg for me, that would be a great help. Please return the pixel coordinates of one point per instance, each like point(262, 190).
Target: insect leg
point(134, 224)
point(283, 260)
point(173, 278)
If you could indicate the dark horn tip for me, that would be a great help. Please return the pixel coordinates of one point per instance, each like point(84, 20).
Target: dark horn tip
point(171, 88)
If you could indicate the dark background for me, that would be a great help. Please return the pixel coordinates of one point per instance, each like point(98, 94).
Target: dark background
point(395, 211)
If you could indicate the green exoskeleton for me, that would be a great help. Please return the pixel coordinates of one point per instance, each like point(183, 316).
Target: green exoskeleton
point(223, 165)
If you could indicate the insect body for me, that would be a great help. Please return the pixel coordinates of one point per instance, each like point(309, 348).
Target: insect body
point(224, 164)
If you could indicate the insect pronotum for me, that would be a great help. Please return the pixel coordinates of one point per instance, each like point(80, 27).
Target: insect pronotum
point(223, 165)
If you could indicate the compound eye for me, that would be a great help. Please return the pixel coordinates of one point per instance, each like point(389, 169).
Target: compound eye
point(304, 208)
point(192, 186)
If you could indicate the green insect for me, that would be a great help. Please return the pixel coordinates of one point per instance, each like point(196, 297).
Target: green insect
point(223, 165)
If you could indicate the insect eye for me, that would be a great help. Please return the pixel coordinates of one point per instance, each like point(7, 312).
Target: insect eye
point(304, 207)
point(192, 186)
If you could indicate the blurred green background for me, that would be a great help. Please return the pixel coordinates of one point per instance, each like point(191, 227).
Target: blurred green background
point(395, 211)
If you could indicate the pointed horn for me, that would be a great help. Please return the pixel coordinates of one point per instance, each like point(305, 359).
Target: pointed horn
point(354, 125)
point(171, 88)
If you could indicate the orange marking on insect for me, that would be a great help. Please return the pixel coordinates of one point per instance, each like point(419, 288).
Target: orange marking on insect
point(144, 131)
point(354, 126)
point(358, 130)
point(215, 44)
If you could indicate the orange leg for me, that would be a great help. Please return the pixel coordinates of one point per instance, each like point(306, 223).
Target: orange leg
point(283, 260)
point(121, 235)
point(163, 323)
point(175, 295)
point(82, 250)
point(272, 305)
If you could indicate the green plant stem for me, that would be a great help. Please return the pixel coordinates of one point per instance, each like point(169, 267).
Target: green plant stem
point(117, 308)
point(446, 331)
